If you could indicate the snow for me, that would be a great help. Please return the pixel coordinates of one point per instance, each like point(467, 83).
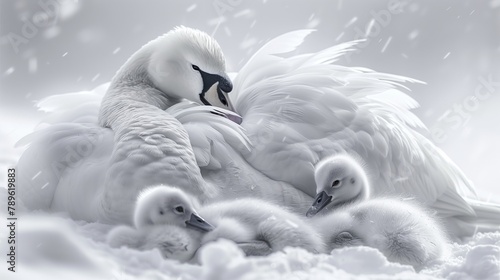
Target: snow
point(33, 65)
point(95, 77)
point(191, 8)
point(386, 44)
point(353, 20)
point(52, 246)
point(9, 71)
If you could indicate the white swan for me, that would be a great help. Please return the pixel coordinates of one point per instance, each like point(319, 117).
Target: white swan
point(402, 231)
point(259, 227)
point(94, 170)
point(300, 109)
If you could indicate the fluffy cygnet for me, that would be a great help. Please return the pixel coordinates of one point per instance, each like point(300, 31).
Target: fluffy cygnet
point(163, 219)
point(258, 226)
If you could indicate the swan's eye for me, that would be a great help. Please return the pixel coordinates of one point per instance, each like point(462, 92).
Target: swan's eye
point(353, 180)
point(195, 67)
point(336, 183)
point(179, 209)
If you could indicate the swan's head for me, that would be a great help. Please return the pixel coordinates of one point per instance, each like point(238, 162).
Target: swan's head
point(188, 63)
point(167, 205)
point(340, 179)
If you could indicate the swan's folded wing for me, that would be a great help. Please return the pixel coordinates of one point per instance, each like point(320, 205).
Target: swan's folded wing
point(208, 126)
point(307, 109)
point(82, 107)
point(50, 153)
point(67, 134)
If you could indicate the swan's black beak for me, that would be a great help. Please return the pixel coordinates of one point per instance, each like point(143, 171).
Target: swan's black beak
point(198, 223)
point(322, 199)
point(224, 86)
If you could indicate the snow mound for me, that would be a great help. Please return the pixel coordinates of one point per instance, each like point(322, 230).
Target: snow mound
point(52, 246)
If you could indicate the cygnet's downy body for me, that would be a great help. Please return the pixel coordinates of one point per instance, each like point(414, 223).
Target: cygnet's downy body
point(401, 230)
point(257, 226)
point(263, 223)
point(173, 242)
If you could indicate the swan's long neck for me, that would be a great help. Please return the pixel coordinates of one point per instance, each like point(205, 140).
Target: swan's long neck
point(132, 89)
point(148, 141)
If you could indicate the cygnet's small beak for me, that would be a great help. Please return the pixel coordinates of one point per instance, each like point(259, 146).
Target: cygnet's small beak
point(322, 199)
point(198, 223)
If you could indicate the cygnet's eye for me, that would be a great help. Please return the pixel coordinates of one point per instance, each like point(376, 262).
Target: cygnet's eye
point(353, 180)
point(179, 209)
point(195, 67)
point(336, 184)
point(161, 212)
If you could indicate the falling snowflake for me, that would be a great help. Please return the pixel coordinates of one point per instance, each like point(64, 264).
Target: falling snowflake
point(9, 71)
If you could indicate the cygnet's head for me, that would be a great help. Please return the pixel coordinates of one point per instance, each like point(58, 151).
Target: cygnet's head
point(340, 179)
point(188, 63)
point(167, 205)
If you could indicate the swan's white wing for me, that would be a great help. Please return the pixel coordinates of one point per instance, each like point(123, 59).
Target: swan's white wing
point(76, 107)
point(306, 109)
point(65, 138)
point(207, 127)
point(252, 71)
point(67, 101)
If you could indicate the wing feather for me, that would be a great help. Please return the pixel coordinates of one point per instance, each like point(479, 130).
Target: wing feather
point(306, 108)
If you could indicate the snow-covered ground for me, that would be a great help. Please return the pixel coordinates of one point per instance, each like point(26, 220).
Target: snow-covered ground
point(56, 247)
